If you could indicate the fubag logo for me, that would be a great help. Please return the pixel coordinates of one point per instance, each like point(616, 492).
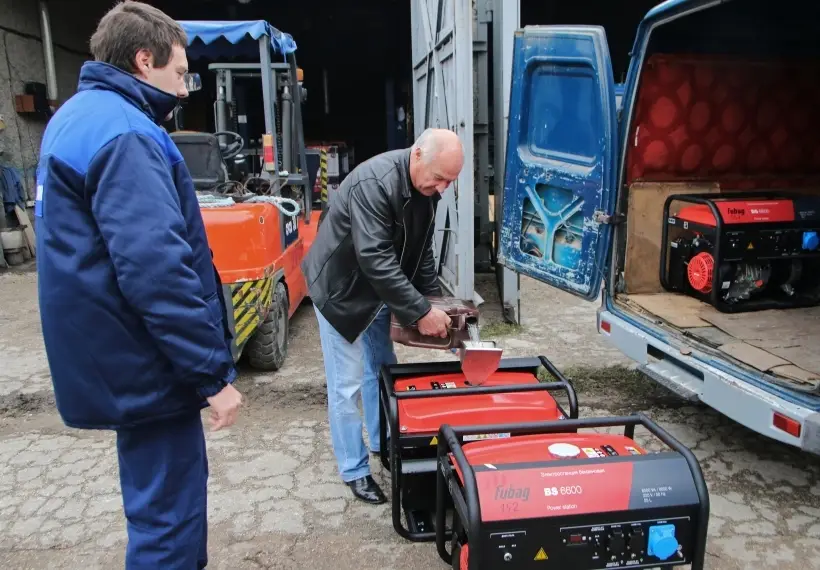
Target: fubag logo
point(503, 493)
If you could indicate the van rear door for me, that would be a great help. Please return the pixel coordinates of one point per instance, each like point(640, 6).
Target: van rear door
point(560, 158)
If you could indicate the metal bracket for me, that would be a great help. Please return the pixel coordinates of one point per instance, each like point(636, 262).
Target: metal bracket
point(600, 217)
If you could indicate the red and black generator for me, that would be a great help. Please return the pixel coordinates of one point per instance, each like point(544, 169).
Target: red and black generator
point(416, 399)
point(743, 251)
point(551, 498)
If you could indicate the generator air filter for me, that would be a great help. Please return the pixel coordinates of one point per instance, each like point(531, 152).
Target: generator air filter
point(700, 271)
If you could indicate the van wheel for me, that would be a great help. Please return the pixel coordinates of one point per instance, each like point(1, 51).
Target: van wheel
point(268, 347)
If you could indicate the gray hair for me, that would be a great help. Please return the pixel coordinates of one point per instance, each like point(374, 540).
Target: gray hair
point(428, 143)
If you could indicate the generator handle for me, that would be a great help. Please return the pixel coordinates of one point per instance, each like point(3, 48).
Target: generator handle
point(699, 553)
point(560, 378)
point(466, 502)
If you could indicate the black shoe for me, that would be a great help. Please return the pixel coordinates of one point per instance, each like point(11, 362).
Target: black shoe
point(367, 490)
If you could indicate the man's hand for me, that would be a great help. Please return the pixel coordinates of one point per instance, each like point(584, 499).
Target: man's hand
point(224, 407)
point(434, 323)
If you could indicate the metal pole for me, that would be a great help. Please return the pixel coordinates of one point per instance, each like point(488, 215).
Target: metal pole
point(48, 52)
point(307, 192)
point(221, 102)
point(287, 131)
point(267, 92)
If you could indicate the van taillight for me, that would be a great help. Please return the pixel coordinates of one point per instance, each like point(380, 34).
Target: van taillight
point(785, 423)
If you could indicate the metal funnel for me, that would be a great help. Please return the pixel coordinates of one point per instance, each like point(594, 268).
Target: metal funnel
point(479, 359)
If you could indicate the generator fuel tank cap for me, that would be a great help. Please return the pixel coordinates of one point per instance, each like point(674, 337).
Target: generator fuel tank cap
point(564, 450)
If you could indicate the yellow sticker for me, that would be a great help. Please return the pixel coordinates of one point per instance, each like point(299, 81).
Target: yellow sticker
point(541, 555)
point(434, 441)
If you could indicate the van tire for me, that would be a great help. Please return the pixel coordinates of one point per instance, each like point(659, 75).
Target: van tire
point(268, 347)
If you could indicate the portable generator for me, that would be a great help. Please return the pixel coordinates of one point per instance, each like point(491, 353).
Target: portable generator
point(549, 497)
point(743, 252)
point(416, 399)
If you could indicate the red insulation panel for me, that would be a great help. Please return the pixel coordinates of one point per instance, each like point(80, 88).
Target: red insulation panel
point(746, 124)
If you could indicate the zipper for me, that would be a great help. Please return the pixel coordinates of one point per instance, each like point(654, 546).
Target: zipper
point(423, 245)
point(401, 257)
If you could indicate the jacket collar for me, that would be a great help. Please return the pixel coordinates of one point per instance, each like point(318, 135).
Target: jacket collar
point(408, 189)
point(155, 103)
point(408, 182)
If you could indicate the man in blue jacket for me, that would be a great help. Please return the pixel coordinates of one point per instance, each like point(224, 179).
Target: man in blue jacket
point(131, 304)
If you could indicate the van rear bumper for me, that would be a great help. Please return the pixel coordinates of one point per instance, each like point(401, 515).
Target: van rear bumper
point(766, 412)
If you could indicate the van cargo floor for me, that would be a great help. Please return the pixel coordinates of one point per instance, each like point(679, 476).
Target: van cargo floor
point(782, 343)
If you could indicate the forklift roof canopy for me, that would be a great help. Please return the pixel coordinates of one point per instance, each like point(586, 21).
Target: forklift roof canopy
point(229, 38)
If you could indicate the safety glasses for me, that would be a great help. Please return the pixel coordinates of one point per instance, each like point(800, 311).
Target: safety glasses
point(192, 82)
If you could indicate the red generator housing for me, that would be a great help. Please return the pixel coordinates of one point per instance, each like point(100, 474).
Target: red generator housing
point(551, 498)
point(416, 399)
point(743, 252)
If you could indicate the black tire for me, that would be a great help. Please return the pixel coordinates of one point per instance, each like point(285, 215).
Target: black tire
point(268, 347)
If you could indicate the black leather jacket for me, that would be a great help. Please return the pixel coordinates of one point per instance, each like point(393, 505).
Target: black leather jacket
point(374, 247)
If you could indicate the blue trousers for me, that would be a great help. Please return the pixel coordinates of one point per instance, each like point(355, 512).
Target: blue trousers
point(163, 477)
point(352, 373)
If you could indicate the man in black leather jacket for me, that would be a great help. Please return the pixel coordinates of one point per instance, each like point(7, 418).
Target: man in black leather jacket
point(373, 258)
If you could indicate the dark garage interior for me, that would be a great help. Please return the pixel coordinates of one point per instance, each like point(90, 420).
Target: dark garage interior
point(359, 55)
point(362, 48)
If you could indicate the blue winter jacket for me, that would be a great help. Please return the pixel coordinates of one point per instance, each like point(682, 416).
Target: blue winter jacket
point(131, 305)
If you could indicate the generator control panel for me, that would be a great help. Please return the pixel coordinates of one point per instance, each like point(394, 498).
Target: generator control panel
point(624, 544)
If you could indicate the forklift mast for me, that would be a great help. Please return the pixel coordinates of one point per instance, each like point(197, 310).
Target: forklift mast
point(282, 142)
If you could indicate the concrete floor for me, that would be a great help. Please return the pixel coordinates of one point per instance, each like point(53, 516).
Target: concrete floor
point(275, 500)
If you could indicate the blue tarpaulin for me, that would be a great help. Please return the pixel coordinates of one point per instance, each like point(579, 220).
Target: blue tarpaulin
point(231, 38)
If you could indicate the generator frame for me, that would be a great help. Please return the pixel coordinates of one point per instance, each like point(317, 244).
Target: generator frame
point(709, 200)
point(465, 497)
point(391, 450)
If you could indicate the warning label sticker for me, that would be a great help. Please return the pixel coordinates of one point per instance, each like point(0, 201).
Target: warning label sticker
point(481, 436)
point(541, 555)
point(609, 450)
point(593, 453)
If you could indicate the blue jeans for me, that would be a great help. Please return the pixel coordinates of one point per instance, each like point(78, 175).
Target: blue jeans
point(164, 478)
point(352, 372)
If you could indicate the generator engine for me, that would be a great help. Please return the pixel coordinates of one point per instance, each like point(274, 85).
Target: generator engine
point(743, 252)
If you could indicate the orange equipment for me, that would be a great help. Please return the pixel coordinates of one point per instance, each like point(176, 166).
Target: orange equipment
point(255, 199)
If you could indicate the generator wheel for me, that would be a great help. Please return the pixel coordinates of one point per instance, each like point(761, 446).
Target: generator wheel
point(268, 347)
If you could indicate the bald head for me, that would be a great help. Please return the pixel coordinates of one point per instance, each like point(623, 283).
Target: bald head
point(436, 160)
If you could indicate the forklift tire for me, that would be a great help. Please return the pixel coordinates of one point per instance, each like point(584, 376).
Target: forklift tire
point(268, 347)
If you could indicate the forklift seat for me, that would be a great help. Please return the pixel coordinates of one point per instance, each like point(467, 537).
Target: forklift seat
point(203, 158)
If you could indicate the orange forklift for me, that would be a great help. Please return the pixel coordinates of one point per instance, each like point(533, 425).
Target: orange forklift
point(253, 186)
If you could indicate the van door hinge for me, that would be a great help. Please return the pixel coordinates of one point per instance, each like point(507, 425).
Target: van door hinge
point(600, 217)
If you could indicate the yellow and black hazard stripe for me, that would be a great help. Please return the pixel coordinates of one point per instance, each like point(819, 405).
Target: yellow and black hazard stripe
point(323, 174)
point(250, 301)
